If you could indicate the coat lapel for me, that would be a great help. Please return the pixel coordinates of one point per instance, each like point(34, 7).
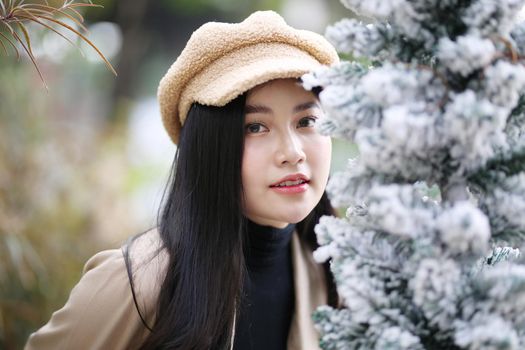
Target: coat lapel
point(310, 292)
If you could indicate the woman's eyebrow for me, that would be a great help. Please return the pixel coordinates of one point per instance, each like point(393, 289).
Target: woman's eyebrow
point(305, 106)
point(257, 109)
point(267, 110)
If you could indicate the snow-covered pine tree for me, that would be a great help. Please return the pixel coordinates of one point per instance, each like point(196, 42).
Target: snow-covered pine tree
point(428, 255)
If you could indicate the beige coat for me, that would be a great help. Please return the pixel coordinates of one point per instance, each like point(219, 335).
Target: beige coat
point(101, 314)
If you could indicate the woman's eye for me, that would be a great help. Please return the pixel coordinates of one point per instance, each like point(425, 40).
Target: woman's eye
point(307, 122)
point(255, 128)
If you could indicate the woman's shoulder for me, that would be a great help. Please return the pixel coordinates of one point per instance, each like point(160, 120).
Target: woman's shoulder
point(102, 310)
point(140, 263)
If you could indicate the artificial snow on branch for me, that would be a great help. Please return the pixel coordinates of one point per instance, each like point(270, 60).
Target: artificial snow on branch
point(439, 105)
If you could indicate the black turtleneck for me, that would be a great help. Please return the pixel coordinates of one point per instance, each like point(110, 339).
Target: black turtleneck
point(268, 303)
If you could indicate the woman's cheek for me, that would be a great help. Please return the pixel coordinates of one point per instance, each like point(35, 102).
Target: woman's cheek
point(322, 147)
point(322, 153)
point(252, 162)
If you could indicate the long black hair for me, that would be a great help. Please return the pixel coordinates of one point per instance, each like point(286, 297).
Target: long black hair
point(202, 227)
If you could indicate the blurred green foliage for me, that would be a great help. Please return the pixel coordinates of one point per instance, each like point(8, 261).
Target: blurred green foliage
point(48, 208)
point(235, 7)
point(107, 10)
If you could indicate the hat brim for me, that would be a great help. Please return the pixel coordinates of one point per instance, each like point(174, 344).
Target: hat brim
point(239, 71)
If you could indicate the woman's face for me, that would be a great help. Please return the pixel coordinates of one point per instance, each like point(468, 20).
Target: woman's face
point(286, 161)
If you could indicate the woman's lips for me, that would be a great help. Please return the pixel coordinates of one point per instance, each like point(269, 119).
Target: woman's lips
point(293, 189)
point(292, 178)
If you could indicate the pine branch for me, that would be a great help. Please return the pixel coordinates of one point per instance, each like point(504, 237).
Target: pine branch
point(499, 168)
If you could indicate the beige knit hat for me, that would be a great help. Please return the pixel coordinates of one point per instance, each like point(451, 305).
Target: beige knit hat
point(223, 60)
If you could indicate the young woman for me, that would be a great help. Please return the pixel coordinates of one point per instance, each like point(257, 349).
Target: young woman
point(230, 264)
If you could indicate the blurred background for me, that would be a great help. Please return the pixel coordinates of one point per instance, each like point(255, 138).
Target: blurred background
point(83, 165)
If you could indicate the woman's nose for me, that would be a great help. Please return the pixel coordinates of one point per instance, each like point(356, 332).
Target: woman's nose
point(290, 150)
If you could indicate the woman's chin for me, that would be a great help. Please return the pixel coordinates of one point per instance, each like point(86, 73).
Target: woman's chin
point(296, 217)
